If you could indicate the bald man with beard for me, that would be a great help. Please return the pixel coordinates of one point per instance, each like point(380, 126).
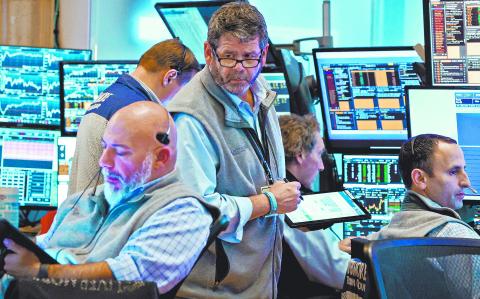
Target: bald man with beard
point(141, 224)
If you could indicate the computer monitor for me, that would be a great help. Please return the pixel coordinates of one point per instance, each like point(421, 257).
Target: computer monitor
point(362, 97)
point(28, 161)
point(188, 20)
point(452, 43)
point(29, 84)
point(297, 84)
point(376, 182)
point(66, 149)
point(456, 115)
point(276, 80)
point(80, 85)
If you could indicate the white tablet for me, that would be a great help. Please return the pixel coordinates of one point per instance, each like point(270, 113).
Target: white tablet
point(324, 209)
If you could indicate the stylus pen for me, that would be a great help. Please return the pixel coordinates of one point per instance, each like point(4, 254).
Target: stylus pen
point(287, 181)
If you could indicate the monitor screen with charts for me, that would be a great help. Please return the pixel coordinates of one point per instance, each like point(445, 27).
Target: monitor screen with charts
point(279, 85)
point(80, 85)
point(28, 161)
point(457, 115)
point(326, 208)
point(452, 42)
point(375, 181)
point(30, 85)
point(362, 97)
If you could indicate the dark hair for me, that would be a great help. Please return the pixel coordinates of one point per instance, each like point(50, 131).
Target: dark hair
point(239, 19)
point(298, 134)
point(417, 152)
point(171, 54)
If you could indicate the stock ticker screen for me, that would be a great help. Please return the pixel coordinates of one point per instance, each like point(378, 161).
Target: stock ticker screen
point(29, 84)
point(81, 84)
point(277, 82)
point(362, 94)
point(375, 181)
point(452, 31)
point(28, 161)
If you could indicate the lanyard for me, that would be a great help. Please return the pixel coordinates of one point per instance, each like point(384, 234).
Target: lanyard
point(261, 151)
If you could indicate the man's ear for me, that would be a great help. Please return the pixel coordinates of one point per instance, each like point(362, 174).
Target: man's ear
point(162, 156)
point(169, 76)
point(299, 158)
point(207, 52)
point(419, 178)
point(264, 56)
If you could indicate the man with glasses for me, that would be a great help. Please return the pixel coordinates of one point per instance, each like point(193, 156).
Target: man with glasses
point(230, 150)
point(161, 72)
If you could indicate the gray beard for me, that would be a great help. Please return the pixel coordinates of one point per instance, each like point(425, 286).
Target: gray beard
point(223, 83)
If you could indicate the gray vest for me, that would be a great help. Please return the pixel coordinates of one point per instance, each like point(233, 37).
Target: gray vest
point(417, 219)
point(92, 233)
point(255, 261)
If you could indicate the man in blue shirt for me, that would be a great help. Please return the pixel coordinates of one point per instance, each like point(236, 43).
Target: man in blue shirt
point(142, 224)
point(161, 72)
point(230, 150)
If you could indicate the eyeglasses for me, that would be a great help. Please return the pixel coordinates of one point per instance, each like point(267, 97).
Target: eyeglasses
point(231, 62)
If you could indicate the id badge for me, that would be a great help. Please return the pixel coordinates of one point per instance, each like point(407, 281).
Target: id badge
point(265, 189)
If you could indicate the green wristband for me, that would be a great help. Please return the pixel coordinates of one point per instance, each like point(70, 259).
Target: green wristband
point(273, 203)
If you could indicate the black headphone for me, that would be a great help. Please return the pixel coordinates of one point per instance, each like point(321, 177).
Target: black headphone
point(163, 137)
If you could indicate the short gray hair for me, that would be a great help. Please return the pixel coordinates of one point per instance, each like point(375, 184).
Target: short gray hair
point(241, 20)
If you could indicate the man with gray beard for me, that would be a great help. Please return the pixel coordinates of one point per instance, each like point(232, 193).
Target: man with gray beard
point(141, 224)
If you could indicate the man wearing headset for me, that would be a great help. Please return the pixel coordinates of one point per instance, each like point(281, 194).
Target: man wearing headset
point(141, 224)
point(161, 72)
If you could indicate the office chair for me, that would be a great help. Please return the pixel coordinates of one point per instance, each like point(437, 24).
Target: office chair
point(421, 267)
point(103, 289)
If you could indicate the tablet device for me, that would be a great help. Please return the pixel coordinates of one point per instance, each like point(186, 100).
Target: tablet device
point(320, 210)
point(10, 232)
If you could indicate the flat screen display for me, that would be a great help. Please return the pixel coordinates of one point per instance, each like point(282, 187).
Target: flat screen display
point(375, 181)
point(29, 162)
point(30, 85)
point(457, 115)
point(362, 97)
point(452, 42)
point(277, 82)
point(81, 83)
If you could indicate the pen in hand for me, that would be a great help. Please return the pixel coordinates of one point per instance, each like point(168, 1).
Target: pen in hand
point(287, 181)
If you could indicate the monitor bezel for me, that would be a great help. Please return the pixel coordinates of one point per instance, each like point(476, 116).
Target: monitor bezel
point(41, 126)
point(63, 130)
point(353, 146)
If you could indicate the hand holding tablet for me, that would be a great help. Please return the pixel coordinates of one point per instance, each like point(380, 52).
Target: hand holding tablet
point(321, 210)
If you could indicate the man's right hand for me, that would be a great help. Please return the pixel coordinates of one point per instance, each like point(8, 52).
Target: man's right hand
point(287, 196)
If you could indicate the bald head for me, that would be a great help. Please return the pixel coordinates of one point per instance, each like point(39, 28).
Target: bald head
point(131, 145)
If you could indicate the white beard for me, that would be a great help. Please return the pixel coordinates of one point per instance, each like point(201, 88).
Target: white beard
point(113, 197)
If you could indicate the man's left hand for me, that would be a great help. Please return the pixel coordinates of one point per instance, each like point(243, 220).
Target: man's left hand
point(21, 262)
